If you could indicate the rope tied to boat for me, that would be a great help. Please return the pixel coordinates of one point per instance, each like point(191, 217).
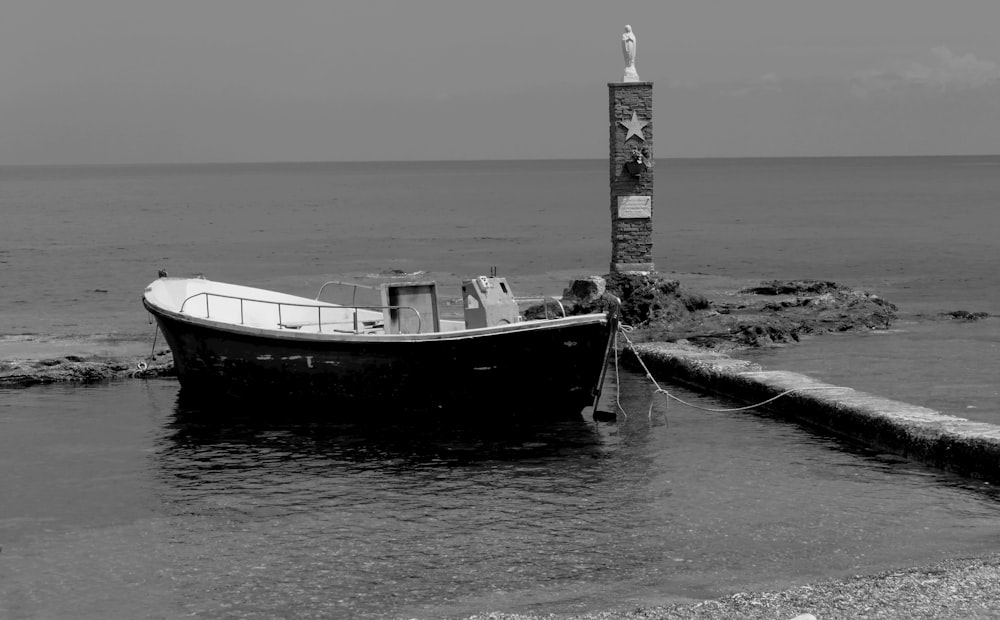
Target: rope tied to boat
point(143, 365)
point(624, 331)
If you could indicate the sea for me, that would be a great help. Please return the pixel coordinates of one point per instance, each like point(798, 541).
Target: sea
point(127, 499)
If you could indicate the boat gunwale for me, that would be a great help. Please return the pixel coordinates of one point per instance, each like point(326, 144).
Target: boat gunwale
point(295, 335)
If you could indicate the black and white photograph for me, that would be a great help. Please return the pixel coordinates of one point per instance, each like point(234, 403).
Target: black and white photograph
point(467, 310)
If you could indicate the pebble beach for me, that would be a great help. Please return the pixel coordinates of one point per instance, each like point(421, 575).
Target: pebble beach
point(963, 588)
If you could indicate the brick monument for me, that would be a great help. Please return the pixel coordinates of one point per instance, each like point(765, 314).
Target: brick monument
point(630, 111)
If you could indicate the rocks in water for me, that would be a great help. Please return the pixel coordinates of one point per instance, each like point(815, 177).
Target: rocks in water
point(772, 313)
point(965, 315)
point(792, 287)
point(810, 307)
point(645, 298)
point(648, 298)
point(583, 296)
point(79, 369)
point(585, 290)
point(956, 315)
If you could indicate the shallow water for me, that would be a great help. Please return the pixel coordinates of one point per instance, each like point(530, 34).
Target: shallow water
point(125, 500)
point(946, 365)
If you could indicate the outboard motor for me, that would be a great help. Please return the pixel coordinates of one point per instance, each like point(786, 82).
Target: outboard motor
point(488, 301)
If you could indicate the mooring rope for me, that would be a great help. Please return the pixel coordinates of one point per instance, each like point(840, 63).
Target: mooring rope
point(624, 329)
point(142, 365)
point(618, 384)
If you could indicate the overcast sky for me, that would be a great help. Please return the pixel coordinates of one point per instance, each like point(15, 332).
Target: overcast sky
point(137, 81)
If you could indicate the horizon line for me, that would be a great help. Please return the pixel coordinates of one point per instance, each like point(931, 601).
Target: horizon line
point(478, 160)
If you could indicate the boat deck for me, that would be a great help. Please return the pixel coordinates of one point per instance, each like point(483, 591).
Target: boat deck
point(262, 309)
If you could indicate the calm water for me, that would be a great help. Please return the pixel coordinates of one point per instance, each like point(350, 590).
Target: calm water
point(125, 500)
point(79, 244)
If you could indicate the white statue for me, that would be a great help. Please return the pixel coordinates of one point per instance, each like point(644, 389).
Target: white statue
point(628, 50)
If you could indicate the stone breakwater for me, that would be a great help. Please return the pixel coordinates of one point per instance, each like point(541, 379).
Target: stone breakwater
point(946, 442)
point(683, 337)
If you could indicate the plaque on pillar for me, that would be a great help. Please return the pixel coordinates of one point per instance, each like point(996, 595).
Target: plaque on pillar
point(633, 207)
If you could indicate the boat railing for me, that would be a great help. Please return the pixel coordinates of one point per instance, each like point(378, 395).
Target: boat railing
point(545, 304)
point(359, 325)
point(354, 285)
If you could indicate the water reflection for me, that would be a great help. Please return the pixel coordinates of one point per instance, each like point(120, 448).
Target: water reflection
point(390, 512)
point(201, 423)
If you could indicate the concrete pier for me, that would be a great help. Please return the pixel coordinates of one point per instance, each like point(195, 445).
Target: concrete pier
point(943, 441)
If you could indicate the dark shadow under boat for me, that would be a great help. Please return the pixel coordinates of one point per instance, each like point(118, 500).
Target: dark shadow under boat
point(447, 437)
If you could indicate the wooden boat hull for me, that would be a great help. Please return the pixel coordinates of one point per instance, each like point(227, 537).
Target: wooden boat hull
point(552, 366)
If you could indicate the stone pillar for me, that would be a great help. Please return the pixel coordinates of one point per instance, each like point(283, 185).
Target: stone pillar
point(630, 108)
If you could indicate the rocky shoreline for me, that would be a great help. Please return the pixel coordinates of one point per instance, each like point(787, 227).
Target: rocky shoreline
point(770, 313)
point(85, 368)
point(963, 588)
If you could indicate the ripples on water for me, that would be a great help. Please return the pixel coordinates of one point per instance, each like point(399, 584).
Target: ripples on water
point(126, 500)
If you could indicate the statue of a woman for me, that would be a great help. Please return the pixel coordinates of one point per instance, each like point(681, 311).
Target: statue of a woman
point(628, 50)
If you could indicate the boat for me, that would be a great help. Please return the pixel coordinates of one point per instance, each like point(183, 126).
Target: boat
point(398, 355)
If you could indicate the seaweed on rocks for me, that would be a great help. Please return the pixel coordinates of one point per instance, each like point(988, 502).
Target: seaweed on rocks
point(772, 313)
point(965, 315)
point(73, 368)
point(792, 287)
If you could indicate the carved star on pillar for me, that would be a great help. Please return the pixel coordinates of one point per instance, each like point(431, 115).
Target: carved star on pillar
point(634, 127)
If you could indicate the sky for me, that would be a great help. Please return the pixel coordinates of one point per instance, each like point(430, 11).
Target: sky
point(178, 81)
